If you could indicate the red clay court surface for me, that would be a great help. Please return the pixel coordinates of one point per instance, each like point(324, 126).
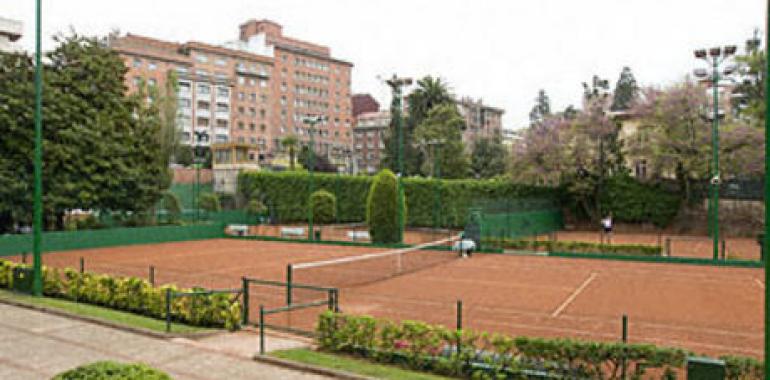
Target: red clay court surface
point(709, 310)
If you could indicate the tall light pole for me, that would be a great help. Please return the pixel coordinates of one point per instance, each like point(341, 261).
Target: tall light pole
point(396, 84)
point(201, 137)
point(766, 239)
point(715, 57)
point(311, 121)
point(37, 232)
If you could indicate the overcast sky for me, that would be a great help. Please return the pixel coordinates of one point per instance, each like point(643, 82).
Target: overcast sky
point(502, 51)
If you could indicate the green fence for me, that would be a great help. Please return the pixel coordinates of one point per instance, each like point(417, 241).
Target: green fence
point(185, 192)
point(70, 240)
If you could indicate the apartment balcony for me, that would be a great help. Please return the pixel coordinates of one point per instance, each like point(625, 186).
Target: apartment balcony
point(185, 94)
point(202, 113)
point(222, 115)
point(185, 111)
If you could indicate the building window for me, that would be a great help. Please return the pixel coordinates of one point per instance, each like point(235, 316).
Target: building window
point(185, 103)
point(221, 138)
point(283, 100)
point(202, 122)
point(202, 73)
point(222, 124)
point(203, 105)
point(252, 127)
point(240, 125)
point(219, 61)
point(223, 107)
point(262, 83)
point(253, 141)
point(640, 169)
point(262, 113)
point(252, 111)
point(137, 62)
point(223, 92)
point(201, 58)
point(137, 81)
point(241, 80)
point(152, 65)
point(262, 127)
point(253, 97)
point(204, 89)
point(241, 96)
point(283, 86)
point(152, 82)
point(182, 70)
point(252, 82)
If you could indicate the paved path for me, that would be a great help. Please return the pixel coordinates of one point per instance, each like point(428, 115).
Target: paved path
point(36, 345)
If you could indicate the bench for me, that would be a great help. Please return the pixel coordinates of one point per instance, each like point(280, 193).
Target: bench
point(292, 231)
point(358, 235)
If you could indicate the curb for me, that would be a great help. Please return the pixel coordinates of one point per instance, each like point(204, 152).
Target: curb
point(308, 368)
point(102, 322)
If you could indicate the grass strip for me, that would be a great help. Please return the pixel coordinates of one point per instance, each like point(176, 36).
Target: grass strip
point(353, 365)
point(103, 313)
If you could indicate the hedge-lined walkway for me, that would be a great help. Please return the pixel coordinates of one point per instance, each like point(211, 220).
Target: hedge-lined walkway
point(37, 345)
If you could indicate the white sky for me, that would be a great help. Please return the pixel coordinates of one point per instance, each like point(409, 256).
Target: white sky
point(502, 51)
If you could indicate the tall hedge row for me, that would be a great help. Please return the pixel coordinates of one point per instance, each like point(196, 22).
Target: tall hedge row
point(286, 194)
point(631, 201)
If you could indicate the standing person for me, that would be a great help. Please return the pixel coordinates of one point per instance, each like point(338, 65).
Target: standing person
point(607, 227)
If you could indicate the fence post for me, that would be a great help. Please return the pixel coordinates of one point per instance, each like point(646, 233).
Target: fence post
point(668, 247)
point(459, 325)
point(336, 300)
point(168, 310)
point(261, 330)
point(245, 301)
point(724, 250)
point(624, 338)
point(330, 301)
point(24, 257)
point(82, 265)
point(152, 275)
point(289, 275)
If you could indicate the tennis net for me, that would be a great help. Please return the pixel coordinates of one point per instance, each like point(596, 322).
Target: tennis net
point(352, 271)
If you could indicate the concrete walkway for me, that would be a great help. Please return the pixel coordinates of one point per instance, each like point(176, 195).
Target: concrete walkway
point(36, 345)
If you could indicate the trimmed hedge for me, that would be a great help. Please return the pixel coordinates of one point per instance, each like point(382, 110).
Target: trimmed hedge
point(324, 206)
point(632, 201)
point(431, 348)
point(287, 194)
point(575, 247)
point(434, 349)
point(134, 295)
point(113, 371)
point(382, 209)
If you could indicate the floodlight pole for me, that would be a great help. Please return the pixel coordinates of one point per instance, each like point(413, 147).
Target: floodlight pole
point(715, 161)
point(766, 240)
point(311, 163)
point(396, 84)
point(37, 231)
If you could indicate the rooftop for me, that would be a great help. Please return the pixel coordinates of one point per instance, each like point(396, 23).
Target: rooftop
point(11, 28)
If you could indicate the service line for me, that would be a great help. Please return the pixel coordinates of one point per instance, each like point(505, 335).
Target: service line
point(574, 295)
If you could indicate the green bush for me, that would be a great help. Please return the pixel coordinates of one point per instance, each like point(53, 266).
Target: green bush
point(742, 368)
point(287, 194)
point(430, 348)
point(112, 371)
point(574, 247)
point(209, 202)
point(381, 209)
point(631, 201)
point(324, 206)
point(134, 295)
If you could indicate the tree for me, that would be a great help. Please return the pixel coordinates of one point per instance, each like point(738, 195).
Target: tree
point(751, 105)
point(209, 202)
point(321, 162)
point(324, 206)
point(597, 88)
point(381, 208)
point(625, 92)
point(539, 154)
point(430, 93)
point(488, 158)
point(100, 146)
point(443, 123)
point(541, 109)
point(290, 142)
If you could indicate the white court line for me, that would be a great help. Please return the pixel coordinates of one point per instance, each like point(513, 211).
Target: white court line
point(760, 283)
point(574, 295)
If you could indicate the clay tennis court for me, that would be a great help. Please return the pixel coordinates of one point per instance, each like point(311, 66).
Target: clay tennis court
point(709, 310)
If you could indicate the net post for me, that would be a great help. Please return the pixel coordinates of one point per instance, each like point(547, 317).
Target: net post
point(289, 275)
point(624, 338)
point(168, 310)
point(245, 312)
point(261, 329)
point(82, 265)
point(152, 275)
point(459, 325)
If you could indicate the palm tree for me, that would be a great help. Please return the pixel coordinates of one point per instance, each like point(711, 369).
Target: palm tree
point(290, 142)
point(429, 93)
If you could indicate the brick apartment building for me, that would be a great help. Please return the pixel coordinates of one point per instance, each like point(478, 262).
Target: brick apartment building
point(369, 140)
point(364, 103)
point(252, 91)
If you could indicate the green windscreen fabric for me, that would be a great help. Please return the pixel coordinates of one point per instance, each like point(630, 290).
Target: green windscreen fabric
point(70, 240)
point(520, 224)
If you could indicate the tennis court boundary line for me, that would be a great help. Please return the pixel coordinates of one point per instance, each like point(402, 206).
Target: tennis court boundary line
point(574, 294)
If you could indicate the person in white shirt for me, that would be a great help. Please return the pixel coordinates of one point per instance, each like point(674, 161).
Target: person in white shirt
point(607, 227)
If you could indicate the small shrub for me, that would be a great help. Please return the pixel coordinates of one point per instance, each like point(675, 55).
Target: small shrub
point(111, 370)
point(209, 202)
point(381, 208)
point(576, 247)
point(324, 206)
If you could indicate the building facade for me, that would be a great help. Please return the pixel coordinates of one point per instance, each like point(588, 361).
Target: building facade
point(369, 140)
point(481, 121)
point(10, 32)
point(253, 91)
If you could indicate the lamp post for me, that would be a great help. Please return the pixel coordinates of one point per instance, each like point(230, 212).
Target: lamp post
point(715, 57)
point(37, 230)
point(396, 84)
point(201, 139)
point(766, 240)
point(311, 121)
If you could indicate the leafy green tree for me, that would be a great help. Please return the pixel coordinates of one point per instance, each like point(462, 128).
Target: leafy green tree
point(321, 163)
point(381, 208)
point(100, 146)
point(443, 124)
point(209, 202)
point(488, 158)
point(751, 105)
point(290, 142)
point(541, 109)
point(324, 206)
point(430, 93)
point(625, 92)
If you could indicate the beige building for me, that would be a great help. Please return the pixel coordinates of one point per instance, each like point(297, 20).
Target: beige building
point(482, 121)
point(369, 140)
